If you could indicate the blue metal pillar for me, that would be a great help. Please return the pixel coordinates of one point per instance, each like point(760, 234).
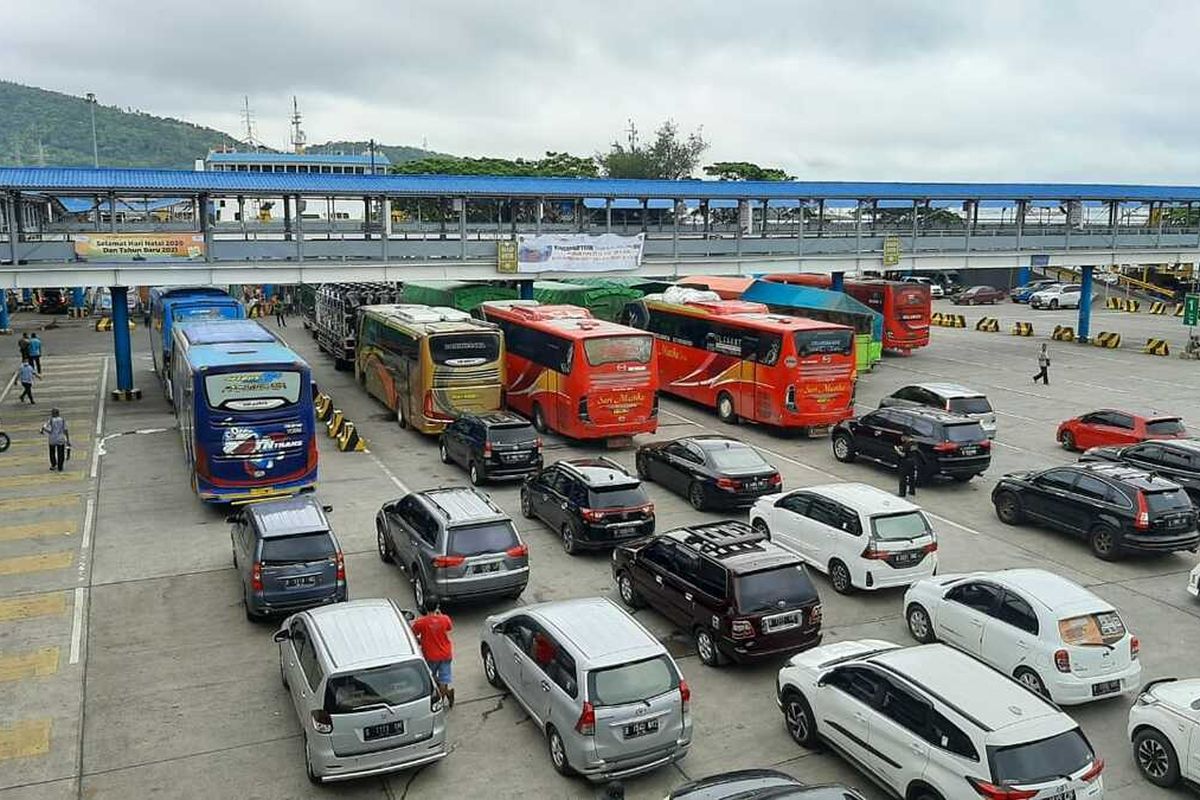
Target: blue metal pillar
point(120, 321)
point(525, 290)
point(1085, 305)
point(1023, 276)
point(268, 290)
point(4, 326)
point(837, 281)
point(27, 296)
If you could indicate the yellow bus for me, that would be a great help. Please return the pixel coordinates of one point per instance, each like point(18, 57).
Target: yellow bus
point(429, 363)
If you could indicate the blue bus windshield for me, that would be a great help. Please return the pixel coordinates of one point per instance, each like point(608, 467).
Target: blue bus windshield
point(256, 390)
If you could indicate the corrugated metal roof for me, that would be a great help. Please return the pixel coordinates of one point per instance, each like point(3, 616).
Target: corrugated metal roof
point(152, 181)
point(252, 157)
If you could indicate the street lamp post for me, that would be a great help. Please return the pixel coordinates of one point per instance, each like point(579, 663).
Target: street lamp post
point(91, 101)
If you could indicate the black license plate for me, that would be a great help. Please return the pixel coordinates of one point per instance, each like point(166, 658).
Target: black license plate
point(906, 558)
point(301, 582)
point(641, 728)
point(483, 569)
point(515, 457)
point(383, 731)
point(968, 451)
point(1106, 687)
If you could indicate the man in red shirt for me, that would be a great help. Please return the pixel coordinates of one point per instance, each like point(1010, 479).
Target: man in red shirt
point(433, 632)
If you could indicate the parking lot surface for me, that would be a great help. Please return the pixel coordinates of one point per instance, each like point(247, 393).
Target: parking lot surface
point(127, 668)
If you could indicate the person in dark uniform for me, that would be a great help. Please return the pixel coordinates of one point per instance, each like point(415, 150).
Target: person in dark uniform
point(906, 463)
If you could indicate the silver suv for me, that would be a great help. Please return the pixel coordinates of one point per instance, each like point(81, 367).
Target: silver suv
point(948, 397)
point(455, 544)
point(366, 701)
point(606, 694)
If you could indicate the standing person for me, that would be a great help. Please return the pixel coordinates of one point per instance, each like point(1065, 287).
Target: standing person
point(1043, 367)
point(35, 353)
point(25, 375)
point(23, 346)
point(433, 632)
point(59, 437)
point(906, 463)
point(280, 318)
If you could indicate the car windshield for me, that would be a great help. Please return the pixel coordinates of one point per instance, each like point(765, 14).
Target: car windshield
point(1034, 762)
point(737, 456)
point(632, 683)
point(618, 350)
point(393, 685)
point(297, 549)
point(1164, 427)
point(970, 405)
point(512, 434)
point(896, 527)
point(1103, 628)
point(1170, 500)
point(782, 587)
point(618, 497)
point(965, 433)
point(828, 342)
point(477, 540)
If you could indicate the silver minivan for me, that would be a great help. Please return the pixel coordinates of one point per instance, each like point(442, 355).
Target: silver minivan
point(365, 698)
point(606, 694)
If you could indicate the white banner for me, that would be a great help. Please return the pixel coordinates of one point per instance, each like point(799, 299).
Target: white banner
point(579, 252)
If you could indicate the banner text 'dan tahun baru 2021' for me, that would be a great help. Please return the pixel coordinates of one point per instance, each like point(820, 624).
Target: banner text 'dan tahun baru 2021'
point(570, 252)
point(139, 246)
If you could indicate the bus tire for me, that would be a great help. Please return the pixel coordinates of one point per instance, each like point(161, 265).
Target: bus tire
point(539, 418)
point(726, 412)
point(400, 420)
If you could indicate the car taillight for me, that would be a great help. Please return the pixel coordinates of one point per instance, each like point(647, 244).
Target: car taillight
point(776, 479)
point(202, 465)
point(487, 449)
point(441, 562)
point(685, 693)
point(591, 514)
point(789, 398)
point(945, 447)
point(341, 567)
point(435, 701)
point(728, 484)
point(312, 453)
point(815, 615)
point(256, 584)
point(930, 548)
point(1135, 648)
point(994, 792)
point(583, 409)
point(875, 555)
point(1093, 771)
point(519, 551)
point(586, 726)
point(986, 444)
point(1062, 661)
point(538, 442)
point(1141, 520)
point(321, 721)
point(741, 629)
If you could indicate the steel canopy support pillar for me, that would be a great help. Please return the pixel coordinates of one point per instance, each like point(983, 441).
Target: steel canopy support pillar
point(205, 228)
point(5, 327)
point(461, 203)
point(76, 298)
point(10, 213)
point(300, 229)
point(121, 348)
point(608, 215)
point(915, 232)
point(837, 281)
point(1085, 304)
point(1024, 273)
point(287, 218)
point(112, 212)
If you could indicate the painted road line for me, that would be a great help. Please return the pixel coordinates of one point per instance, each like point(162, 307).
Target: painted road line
point(37, 530)
point(17, 481)
point(30, 737)
point(39, 444)
point(38, 664)
point(8, 386)
point(39, 503)
point(39, 562)
point(89, 519)
point(77, 624)
point(41, 459)
point(28, 606)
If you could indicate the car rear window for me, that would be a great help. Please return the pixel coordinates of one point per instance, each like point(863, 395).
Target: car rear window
point(965, 433)
point(633, 682)
point(1105, 627)
point(511, 434)
point(476, 540)
point(737, 457)
point(618, 497)
point(970, 405)
point(296, 549)
point(764, 591)
point(1171, 500)
point(1033, 762)
point(896, 527)
point(1164, 427)
point(394, 684)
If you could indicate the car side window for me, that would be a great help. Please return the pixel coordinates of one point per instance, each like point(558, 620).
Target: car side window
point(1016, 612)
point(712, 579)
point(306, 655)
point(425, 525)
point(824, 512)
point(898, 421)
point(576, 492)
point(979, 596)
point(944, 734)
point(1122, 421)
point(1150, 453)
point(1093, 419)
point(922, 427)
point(908, 393)
point(560, 482)
point(1061, 479)
point(660, 553)
point(873, 420)
point(860, 684)
point(676, 449)
point(797, 503)
point(693, 454)
point(904, 708)
point(557, 664)
point(847, 520)
point(520, 631)
point(1172, 459)
point(545, 479)
point(1092, 488)
point(687, 564)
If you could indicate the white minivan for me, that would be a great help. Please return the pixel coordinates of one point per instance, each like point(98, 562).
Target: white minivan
point(862, 537)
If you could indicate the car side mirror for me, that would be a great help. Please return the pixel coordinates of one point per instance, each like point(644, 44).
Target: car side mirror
point(327, 509)
point(409, 616)
point(234, 519)
point(282, 635)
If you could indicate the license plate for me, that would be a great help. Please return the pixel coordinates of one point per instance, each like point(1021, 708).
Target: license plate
point(969, 451)
point(1065, 794)
point(641, 728)
point(905, 558)
point(298, 583)
point(780, 622)
point(383, 731)
point(1106, 687)
point(515, 456)
point(483, 569)
point(754, 486)
point(626, 530)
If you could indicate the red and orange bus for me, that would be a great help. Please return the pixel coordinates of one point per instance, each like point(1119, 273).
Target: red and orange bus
point(737, 357)
point(583, 377)
point(905, 307)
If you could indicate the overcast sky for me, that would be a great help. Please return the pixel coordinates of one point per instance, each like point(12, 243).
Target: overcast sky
point(968, 90)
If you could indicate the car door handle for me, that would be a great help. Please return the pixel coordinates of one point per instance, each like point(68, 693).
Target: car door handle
point(563, 506)
point(658, 579)
point(916, 748)
point(1022, 644)
point(860, 717)
point(688, 597)
point(516, 659)
point(545, 686)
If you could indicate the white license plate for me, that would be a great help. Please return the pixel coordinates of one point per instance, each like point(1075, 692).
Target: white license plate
point(1107, 687)
point(1065, 794)
point(300, 583)
point(641, 728)
point(781, 622)
point(383, 731)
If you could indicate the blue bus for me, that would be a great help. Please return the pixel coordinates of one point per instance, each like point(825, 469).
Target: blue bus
point(246, 417)
point(172, 304)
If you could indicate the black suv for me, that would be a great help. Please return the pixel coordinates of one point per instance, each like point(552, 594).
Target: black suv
point(491, 446)
point(947, 444)
point(589, 502)
point(1175, 459)
point(741, 595)
point(1118, 508)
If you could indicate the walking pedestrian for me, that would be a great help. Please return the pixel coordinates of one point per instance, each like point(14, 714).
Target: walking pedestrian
point(906, 463)
point(25, 375)
point(35, 353)
point(432, 630)
point(1043, 367)
point(23, 346)
point(59, 438)
point(280, 317)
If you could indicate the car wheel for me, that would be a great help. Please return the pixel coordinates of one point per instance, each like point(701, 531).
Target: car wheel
point(1054, 305)
point(526, 505)
point(539, 418)
point(1008, 509)
point(443, 453)
point(639, 463)
point(308, 766)
point(383, 546)
point(475, 474)
point(919, 623)
point(558, 751)
point(629, 595)
point(489, 668)
point(400, 420)
point(839, 576)
point(706, 648)
point(1103, 540)
point(420, 593)
point(1030, 680)
point(695, 496)
point(843, 449)
point(761, 526)
point(1156, 758)
point(567, 535)
point(798, 717)
point(1068, 441)
point(725, 409)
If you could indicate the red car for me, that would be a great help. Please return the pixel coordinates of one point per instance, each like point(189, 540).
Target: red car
point(1108, 426)
point(978, 295)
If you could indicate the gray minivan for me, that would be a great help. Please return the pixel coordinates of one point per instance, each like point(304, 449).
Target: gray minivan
point(606, 694)
point(365, 698)
point(286, 556)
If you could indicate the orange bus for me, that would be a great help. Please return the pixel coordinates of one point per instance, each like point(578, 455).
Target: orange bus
point(906, 307)
point(737, 357)
point(569, 372)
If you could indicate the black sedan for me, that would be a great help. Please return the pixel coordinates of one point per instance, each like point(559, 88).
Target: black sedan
point(710, 471)
point(751, 784)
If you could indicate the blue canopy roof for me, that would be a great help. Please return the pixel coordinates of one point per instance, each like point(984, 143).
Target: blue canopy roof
point(787, 295)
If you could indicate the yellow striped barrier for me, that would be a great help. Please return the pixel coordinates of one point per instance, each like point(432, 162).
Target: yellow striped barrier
point(349, 440)
point(1158, 307)
point(988, 324)
point(1107, 339)
point(1022, 329)
point(1157, 347)
point(1063, 333)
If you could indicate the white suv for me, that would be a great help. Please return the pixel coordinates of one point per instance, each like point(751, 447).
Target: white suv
point(1164, 726)
point(928, 722)
point(1052, 635)
point(862, 537)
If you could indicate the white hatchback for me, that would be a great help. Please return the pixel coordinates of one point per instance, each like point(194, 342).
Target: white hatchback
point(862, 537)
point(1049, 633)
point(1164, 727)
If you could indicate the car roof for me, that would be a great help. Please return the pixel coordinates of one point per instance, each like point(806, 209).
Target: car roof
point(1053, 591)
point(1145, 416)
point(598, 630)
point(1192, 446)
point(714, 441)
point(498, 418)
point(936, 414)
point(363, 633)
point(459, 505)
point(288, 516)
point(598, 472)
point(735, 544)
point(862, 497)
point(950, 390)
point(1132, 476)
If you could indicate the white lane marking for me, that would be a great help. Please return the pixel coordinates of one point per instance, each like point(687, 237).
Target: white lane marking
point(760, 448)
point(100, 422)
point(948, 521)
point(8, 387)
point(77, 624)
point(89, 518)
point(391, 475)
point(1018, 416)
